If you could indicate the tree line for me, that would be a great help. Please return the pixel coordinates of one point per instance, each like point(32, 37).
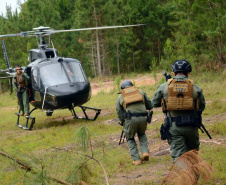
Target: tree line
point(174, 29)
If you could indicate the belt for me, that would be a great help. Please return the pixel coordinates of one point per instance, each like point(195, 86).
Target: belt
point(129, 114)
point(186, 118)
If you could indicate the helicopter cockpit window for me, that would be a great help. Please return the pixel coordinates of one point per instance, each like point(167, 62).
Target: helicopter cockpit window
point(50, 54)
point(34, 56)
point(53, 74)
point(74, 71)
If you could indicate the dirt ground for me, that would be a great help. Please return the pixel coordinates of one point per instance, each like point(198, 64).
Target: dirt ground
point(109, 85)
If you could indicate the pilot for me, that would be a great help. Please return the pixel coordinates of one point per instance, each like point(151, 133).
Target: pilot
point(21, 81)
point(131, 109)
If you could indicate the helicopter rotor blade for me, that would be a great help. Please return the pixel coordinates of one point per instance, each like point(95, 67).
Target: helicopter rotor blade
point(22, 34)
point(94, 28)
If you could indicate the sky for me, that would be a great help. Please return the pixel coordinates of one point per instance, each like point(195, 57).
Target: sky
point(13, 4)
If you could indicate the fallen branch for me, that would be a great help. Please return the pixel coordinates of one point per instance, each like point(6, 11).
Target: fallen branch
point(91, 157)
point(25, 166)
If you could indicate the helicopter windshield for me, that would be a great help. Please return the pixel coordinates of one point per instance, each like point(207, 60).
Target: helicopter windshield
point(74, 71)
point(56, 74)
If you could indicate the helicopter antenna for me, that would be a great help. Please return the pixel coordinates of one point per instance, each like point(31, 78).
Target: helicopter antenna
point(54, 49)
point(37, 39)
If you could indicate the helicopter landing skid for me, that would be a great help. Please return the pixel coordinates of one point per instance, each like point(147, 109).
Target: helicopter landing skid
point(27, 121)
point(84, 111)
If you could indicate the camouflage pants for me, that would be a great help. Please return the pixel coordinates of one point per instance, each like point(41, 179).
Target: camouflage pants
point(136, 125)
point(183, 139)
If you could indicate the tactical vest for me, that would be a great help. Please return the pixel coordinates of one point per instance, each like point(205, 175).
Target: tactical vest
point(180, 96)
point(131, 95)
point(20, 80)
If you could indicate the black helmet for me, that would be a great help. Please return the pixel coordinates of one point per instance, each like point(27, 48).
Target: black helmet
point(125, 84)
point(181, 66)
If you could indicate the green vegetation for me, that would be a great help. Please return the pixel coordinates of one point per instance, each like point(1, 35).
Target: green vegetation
point(193, 30)
point(58, 145)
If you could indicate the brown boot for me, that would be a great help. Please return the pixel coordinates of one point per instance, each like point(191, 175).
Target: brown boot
point(26, 114)
point(21, 114)
point(138, 162)
point(145, 157)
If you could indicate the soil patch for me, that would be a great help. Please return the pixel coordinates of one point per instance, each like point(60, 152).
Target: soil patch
point(109, 85)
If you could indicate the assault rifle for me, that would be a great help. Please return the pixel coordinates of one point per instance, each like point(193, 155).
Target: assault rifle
point(202, 127)
point(167, 76)
point(121, 123)
point(164, 131)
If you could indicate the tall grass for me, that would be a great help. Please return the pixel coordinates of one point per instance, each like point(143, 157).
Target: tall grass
point(58, 132)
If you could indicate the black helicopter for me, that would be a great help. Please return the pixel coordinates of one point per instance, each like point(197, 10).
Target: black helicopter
point(56, 82)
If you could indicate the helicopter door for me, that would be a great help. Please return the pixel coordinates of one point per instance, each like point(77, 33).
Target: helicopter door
point(35, 82)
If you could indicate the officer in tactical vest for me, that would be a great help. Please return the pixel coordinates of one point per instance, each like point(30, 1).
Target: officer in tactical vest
point(131, 109)
point(20, 84)
point(182, 102)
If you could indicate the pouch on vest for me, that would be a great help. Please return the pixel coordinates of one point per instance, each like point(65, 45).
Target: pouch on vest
point(180, 95)
point(131, 95)
point(22, 82)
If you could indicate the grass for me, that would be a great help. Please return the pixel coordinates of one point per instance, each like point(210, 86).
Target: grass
point(36, 147)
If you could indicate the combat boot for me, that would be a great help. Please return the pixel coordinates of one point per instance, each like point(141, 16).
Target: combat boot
point(138, 162)
point(145, 157)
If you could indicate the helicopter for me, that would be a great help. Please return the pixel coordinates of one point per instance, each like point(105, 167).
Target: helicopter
point(56, 82)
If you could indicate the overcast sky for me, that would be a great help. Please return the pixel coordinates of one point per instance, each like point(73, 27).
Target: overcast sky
point(13, 4)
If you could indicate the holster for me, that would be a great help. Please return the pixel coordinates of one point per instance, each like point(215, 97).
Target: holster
point(149, 116)
point(164, 130)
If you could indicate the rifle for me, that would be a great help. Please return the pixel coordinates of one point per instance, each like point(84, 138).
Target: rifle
point(201, 126)
point(121, 123)
point(167, 76)
point(164, 131)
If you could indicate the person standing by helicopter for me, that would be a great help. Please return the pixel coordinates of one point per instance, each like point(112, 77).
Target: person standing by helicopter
point(21, 81)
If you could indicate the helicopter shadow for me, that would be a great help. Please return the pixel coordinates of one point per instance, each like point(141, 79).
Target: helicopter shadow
point(59, 122)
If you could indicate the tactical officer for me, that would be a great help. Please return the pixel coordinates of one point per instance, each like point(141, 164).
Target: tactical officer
point(131, 109)
point(20, 84)
point(183, 103)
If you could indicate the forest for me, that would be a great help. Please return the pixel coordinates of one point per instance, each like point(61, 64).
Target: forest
point(190, 29)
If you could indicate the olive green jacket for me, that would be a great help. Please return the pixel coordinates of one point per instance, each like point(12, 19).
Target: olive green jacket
point(162, 92)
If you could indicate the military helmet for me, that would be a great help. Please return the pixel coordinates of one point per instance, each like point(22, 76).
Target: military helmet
point(125, 84)
point(181, 66)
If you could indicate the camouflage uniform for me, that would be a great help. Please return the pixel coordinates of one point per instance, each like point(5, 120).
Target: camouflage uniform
point(183, 138)
point(21, 92)
point(135, 124)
